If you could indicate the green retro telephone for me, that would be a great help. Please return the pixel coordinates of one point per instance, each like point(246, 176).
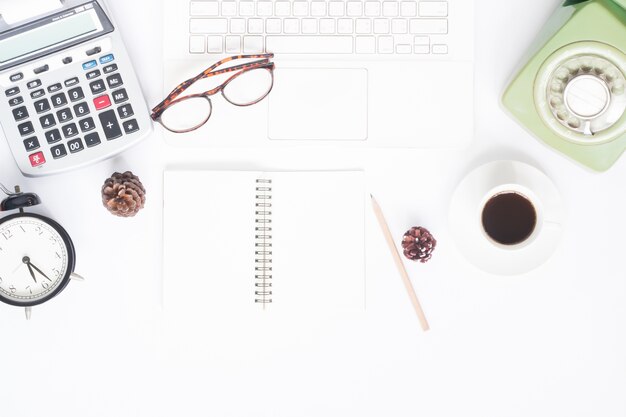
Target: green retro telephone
point(571, 93)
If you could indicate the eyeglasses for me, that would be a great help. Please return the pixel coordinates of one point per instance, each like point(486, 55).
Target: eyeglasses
point(250, 83)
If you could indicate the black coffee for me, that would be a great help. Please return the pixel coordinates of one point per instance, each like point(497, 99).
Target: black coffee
point(509, 218)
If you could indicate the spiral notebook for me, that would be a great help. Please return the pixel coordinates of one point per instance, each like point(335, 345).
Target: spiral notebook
point(244, 243)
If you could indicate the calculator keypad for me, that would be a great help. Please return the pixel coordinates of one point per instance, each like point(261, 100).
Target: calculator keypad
point(125, 111)
point(42, 105)
point(64, 115)
point(20, 113)
point(97, 87)
point(31, 144)
point(111, 127)
point(64, 111)
point(58, 151)
point(87, 124)
point(59, 100)
point(76, 94)
point(26, 129)
point(53, 136)
point(15, 101)
point(47, 121)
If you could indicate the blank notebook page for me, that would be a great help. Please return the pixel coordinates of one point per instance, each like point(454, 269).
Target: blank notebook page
point(211, 258)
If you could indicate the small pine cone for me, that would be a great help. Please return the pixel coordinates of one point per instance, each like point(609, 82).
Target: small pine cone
point(418, 244)
point(123, 194)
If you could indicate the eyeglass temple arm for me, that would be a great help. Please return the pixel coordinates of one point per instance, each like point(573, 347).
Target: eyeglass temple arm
point(267, 65)
point(159, 108)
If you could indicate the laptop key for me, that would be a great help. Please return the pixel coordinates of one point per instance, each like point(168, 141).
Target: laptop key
point(210, 26)
point(204, 8)
point(429, 26)
point(233, 44)
point(253, 44)
point(310, 44)
point(196, 44)
point(433, 8)
point(365, 45)
point(214, 44)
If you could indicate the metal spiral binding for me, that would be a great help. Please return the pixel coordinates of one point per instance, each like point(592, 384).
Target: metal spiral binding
point(263, 242)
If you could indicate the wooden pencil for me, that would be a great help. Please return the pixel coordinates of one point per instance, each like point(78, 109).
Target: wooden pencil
point(398, 260)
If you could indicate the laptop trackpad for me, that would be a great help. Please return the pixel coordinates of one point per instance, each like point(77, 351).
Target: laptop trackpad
point(318, 104)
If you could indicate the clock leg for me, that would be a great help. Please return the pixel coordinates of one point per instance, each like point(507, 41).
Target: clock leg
point(76, 277)
point(28, 311)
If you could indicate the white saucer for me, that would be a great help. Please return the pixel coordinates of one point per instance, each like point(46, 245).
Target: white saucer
point(466, 225)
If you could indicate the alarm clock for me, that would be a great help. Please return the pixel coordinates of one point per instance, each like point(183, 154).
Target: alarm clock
point(37, 256)
point(571, 93)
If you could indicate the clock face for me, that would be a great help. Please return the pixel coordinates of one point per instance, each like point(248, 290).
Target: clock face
point(35, 260)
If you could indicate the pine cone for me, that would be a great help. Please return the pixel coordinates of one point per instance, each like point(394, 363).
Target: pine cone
point(123, 194)
point(418, 244)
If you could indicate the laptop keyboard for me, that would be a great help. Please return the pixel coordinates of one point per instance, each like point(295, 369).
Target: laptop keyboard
point(407, 28)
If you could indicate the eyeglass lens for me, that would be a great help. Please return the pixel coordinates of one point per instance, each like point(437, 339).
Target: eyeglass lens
point(246, 89)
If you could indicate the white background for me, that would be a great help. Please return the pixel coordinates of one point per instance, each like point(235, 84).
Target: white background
point(548, 343)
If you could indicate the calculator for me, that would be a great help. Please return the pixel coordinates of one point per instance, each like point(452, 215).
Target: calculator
point(69, 96)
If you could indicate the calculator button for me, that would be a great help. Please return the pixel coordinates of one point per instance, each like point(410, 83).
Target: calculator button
point(37, 93)
point(130, 126)
point(58, 151)
point(15, 101)
point(92, 139)
point(125, 111)
point(26, 129)
point(67, 60)
point(71, 82)
point(94, 51)
point(93, 74)
point(42, 105)
point(75, 145)
point(16, 77)
point(110, 125)
point(41, 69)
point(97, 87)
point(54, 88)
point(20, 113)
point(115, 81)
point(37, 159)
point(64, 115)
point(70, 130)
point(120, 96)
point(87, 124)
point(89, 65)
point(110, 68)
point(33, 84)
point(102, 102)
point(59, 100)
point(76, 94)
point(47, 121)
point(53, 136)
point(31, 144)
point(12, 91)
point(81, 109)
point(106, 59)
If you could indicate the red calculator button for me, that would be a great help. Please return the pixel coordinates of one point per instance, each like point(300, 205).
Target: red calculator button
point(37, 159)
point(102, 102)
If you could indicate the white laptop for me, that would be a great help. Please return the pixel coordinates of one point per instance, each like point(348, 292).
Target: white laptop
point(355, 73)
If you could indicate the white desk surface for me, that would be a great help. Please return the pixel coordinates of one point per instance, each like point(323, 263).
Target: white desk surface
point(548, 343)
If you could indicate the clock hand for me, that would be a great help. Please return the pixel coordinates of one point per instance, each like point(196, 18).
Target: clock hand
point(32, 274)
point(26, 260)
point(40, 271)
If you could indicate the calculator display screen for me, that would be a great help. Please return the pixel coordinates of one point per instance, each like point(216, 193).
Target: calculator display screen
point(52, 34)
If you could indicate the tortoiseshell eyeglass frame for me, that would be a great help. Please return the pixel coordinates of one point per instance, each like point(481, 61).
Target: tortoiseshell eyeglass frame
point(262, 63)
